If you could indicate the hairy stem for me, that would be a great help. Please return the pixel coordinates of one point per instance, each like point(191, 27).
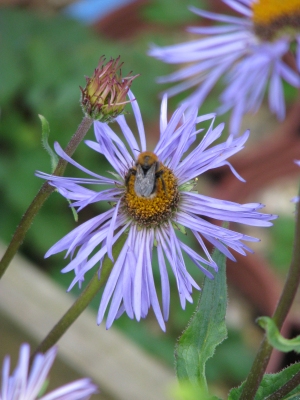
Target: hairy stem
point(286, 389)
point(41, 197)
point(82, 302)
point(287, 297)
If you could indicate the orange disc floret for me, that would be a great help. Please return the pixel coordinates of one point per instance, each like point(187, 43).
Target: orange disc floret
point(273, 17)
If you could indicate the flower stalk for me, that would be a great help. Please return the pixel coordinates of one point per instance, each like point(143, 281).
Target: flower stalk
point(41, 197)
point(286, 300)
point(286, 388)
point(82, 302)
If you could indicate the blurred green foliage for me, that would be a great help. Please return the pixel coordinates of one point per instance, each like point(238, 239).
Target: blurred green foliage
point(282, 236)
point(172, 12)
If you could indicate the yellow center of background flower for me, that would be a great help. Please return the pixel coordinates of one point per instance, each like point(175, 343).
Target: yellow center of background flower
point(153, 211)
point(274, 17)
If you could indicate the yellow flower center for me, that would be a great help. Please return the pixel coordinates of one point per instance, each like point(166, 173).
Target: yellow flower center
point(273, 18)
point(157, 208)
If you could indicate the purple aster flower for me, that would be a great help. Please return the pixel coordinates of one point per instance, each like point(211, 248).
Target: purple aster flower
point(246, 52)
point(27, 383)
point(153, 196)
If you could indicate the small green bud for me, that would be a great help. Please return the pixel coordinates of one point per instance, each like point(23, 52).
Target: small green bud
point(104, 96)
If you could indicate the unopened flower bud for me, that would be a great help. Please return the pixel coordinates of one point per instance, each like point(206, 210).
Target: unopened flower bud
point(104, 96)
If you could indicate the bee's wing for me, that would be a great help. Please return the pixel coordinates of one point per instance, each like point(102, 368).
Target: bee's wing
point(145, 184)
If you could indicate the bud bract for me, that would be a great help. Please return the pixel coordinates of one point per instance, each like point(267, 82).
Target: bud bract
point(104, 96)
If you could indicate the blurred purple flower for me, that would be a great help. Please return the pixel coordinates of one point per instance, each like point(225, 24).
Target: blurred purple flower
point(246, 52)
point(27, 383)
point(151, 220)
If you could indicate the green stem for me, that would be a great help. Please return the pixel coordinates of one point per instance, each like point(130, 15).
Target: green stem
point(41, 197)
point(82, 302)
point(285, 389)
point(287, 297)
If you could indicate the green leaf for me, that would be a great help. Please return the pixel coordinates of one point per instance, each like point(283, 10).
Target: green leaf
point(45, 137)
point(171, 12)
point(52, 154)
point(206, 329)
point(187, 391)
point(271, 383)
point(275, 338)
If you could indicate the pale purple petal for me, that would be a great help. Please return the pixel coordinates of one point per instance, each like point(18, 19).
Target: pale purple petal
point(233, 54)
point(27, 382)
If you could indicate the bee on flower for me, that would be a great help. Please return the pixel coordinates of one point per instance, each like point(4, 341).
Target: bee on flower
point(251, 53)
point(146, 172)
point(153, 197)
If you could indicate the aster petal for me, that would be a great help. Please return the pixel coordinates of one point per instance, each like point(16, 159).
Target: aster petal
point(5, 389)
point(112, 154)
point(225, 210)
point(196, 258)
point(276, 96)
point(74, 237)
point(212, 30)
point(183, 279)
point(103, 131)
point(170, 132)
point(111, 283)
point(137, 287)
point(27, 381)
point(239, 7)
point(63, 155)
point(80, 389)
point(211, 262)
point(236, 116)
point(220, 237)
point(134, 146)
point(288, 74)
point(101, 180)
point(127, 281)
point(220, 17)
point(124, 156)
point(200, 93)
point(111, 230)
point(189, 280)
point(163, 121)
point(115, 302)
point(165, 285)
point(39, 372)
point(98, 256)
point(201, 160)
point(139, 121)
point(150, 279)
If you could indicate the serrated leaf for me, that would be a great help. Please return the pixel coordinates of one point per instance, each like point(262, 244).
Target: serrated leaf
point(45, 137)
point(270, 384)
point(275, 338)
point(206, 330)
